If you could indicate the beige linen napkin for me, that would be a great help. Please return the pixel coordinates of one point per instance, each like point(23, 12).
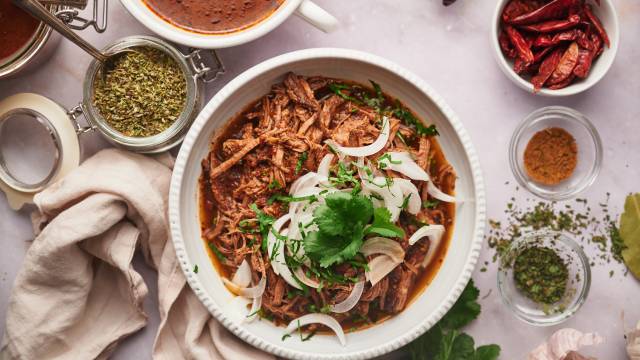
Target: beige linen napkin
point(77, 294)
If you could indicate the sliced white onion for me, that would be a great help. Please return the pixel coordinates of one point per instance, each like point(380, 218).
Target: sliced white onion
point(242, 277)
point(315, 318)
point(351, 300)
point(309, 179)
point(248, 292)
point(403, 163)
point(253, 313)
point(408, 189)
point(434, 232)
point(325, 164)
point(379, 267)
point(381, 245)
point(433, 190)
point(302, 276)
point(361, 151)
point(391, 194)
point(272, 241)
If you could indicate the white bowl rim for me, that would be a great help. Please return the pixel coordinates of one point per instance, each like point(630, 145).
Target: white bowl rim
point(248, 76)
point(155, 23)
point(572, 89)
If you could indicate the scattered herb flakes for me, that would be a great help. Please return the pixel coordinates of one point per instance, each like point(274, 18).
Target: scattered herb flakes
point(303, 157)
point(217, 252)
point(195, 269)
point(577, 218)
point(444, 341)
point(630, 233)
point(143, 95)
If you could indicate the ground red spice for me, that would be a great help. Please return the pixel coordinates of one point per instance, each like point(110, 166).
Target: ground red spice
point(551, 156)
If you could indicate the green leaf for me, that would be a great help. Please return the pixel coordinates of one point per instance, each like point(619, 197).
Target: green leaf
point(487, 352)
point(630, 233)
point(409, 119)
point(382, 224)
point(341, 221)
point(465, 310)
point(444, 342)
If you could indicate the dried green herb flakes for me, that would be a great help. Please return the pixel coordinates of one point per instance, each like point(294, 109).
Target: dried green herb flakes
point(143, 95)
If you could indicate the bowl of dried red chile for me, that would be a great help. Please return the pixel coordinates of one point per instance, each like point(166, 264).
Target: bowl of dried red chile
point(544, 277)
point(555, 153)
point(555, 48)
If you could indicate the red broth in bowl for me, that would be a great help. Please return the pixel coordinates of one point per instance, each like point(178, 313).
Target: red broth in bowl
point(16, 29)
point(213, 16)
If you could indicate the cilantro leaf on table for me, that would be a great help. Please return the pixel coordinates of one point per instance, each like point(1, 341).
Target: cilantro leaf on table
point(465, 310)
point(444, 342)
point(341, 221)
point(382, 224)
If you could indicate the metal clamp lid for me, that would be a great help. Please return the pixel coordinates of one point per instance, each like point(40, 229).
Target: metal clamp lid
point(70, 15)
point(206, 72)
point(55, 119)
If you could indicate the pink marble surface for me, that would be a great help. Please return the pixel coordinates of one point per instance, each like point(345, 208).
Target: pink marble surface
point(450, 49)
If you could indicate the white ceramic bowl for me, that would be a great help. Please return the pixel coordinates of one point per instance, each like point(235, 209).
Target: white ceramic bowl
point(605, 12)
point(306, 9)
point(465, 245)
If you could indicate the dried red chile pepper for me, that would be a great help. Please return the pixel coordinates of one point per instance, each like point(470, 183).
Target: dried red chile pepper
point(521, 45)
point(553, 25)
point(554, 42)
point(556, 9)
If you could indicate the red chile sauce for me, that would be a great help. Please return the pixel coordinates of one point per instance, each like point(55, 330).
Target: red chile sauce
point(16, 28)
point(213, 16)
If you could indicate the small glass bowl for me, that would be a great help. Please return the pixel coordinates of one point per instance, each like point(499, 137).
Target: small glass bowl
point(579, 279)
point(589, 151)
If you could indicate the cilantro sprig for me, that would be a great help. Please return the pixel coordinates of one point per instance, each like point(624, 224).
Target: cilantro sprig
point(343, 221)
point(444, 341)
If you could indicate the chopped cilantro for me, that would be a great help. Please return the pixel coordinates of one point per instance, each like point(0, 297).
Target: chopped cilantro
point(217, 252)
point(195, 269)
point(405, 202)
point(430, 204)
point(275, 184)
point(289, 199)
point(264, 224)
point(409, 119)
point(338, 88)
point(303, 157)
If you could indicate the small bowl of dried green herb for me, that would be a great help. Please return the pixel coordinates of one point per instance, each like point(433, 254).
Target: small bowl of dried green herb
point(544, 277)
point(147, 102)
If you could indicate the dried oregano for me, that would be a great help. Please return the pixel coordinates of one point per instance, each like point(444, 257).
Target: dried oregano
point(143, 94)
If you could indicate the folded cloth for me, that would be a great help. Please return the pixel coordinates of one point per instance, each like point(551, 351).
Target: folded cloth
point(77, 294)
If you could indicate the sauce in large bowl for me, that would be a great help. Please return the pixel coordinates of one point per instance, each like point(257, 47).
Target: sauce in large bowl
point(213, 16)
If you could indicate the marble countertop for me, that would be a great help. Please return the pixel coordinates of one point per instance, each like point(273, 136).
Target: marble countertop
point(449, 48)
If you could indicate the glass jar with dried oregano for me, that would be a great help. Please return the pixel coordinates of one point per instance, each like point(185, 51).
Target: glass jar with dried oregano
point(147, 102)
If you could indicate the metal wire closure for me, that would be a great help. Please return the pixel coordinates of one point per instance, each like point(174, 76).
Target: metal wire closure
point(70, 14)
point(74, 114)
point(204, 71)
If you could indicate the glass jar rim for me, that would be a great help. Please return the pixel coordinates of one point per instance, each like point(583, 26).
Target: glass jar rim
point(174, 133)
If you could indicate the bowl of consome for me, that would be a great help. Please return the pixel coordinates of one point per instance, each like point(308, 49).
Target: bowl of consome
point(327, 204)
point(556, 48)
point(208, 24)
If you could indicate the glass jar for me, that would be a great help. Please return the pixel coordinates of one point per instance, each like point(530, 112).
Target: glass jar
point(22, 114)
point(193, 69)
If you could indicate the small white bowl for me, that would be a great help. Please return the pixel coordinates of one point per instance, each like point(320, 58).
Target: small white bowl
point(305, 9)
point(609, 18)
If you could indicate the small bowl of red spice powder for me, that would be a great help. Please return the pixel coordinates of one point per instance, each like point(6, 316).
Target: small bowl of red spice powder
point(555, 153)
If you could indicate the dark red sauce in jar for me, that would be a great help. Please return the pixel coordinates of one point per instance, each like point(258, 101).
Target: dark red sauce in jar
point(213, 16)
point(16, 28)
